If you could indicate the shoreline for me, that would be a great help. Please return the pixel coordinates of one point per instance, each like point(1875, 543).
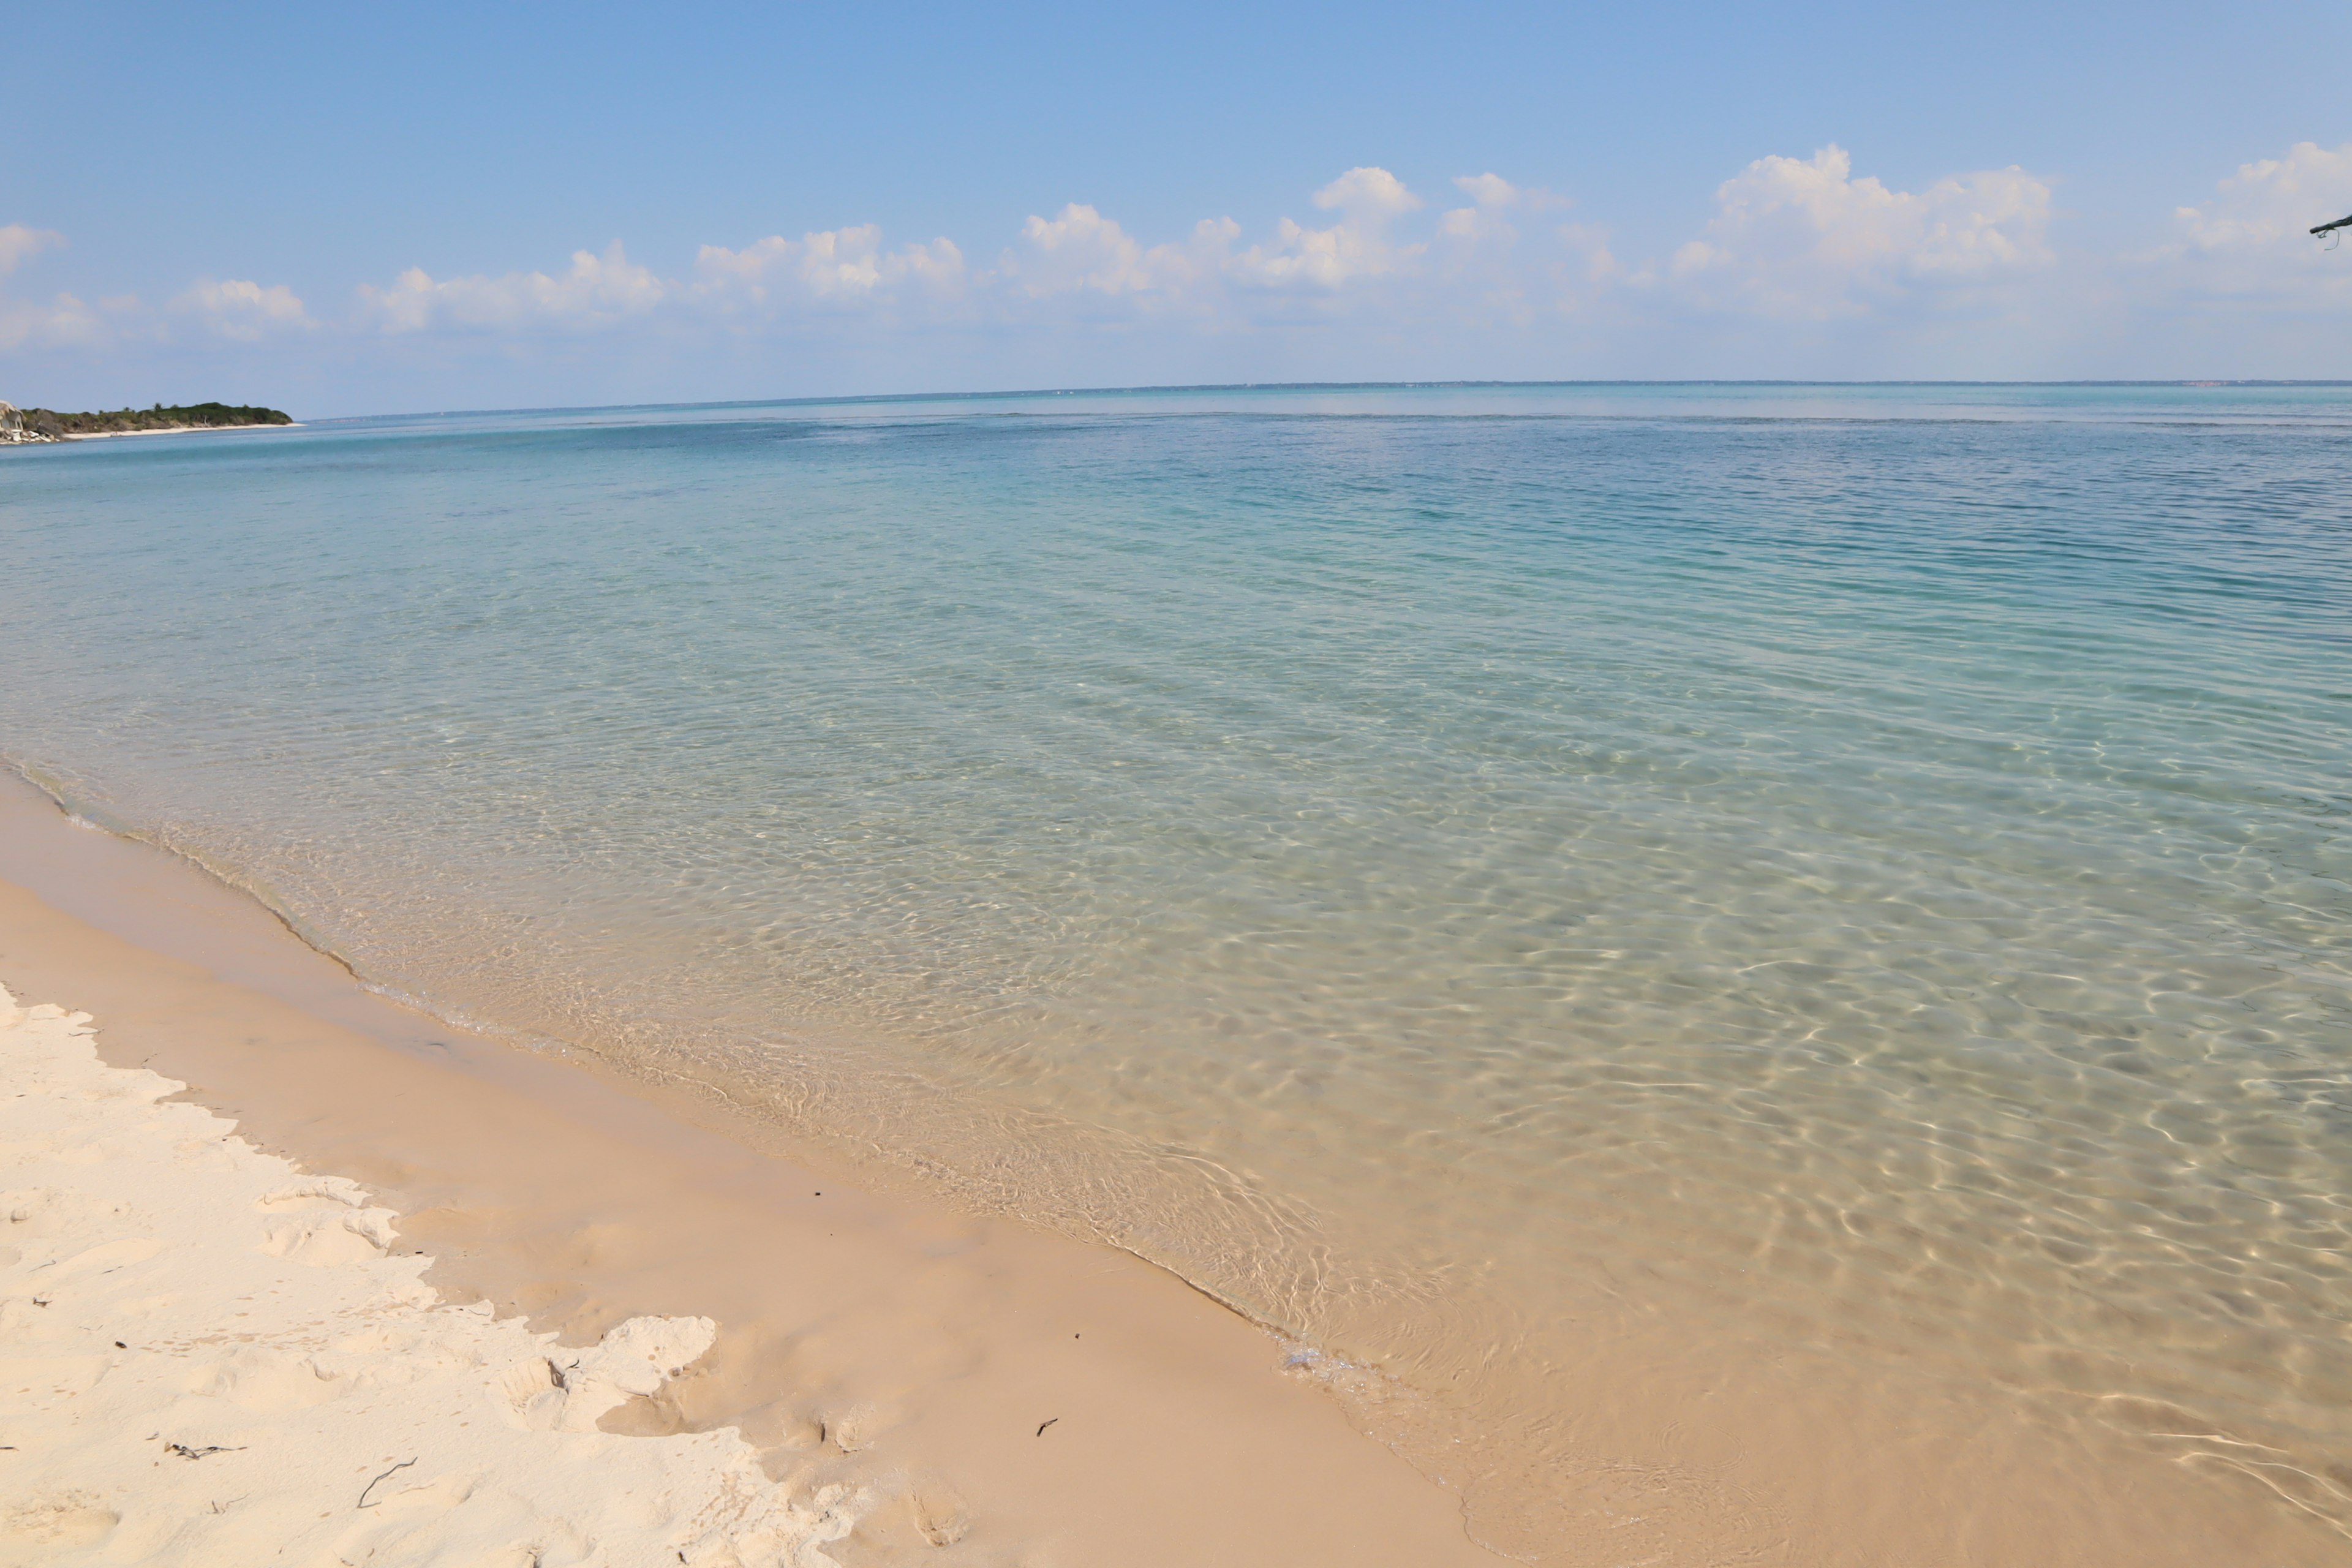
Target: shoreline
point(930, 1358)
point(176, 431)
point(914, 1351)
point(265, 1330)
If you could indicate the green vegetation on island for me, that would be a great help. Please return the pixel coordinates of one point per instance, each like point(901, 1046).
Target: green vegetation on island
point(45, 424)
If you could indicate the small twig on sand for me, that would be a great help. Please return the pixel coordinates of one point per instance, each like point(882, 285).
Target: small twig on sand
point(1041, 1430)
point(371, 1485)
point(187, 1453)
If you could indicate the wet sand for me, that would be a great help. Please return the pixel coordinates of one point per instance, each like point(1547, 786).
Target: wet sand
point(1071, 1403)
point(863, 1338)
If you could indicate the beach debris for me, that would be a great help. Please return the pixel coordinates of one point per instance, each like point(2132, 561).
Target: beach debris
point(386, 1476)
point(187, 1453)
point(1048, 1422)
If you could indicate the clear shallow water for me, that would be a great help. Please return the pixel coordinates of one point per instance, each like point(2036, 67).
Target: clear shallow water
point(1462, 873)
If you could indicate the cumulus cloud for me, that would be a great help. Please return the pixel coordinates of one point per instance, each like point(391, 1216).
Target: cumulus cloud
point(1794, 247)
point(1321, 258)
point(1078, 250)
point(2251, 242)
point(1488, 190)
point(1356, 248)
point(840, 265)
point(1081, 252)
point(2276, 199)
point(66, 321)
point(245, 310)
point(1368, 196)
point(1804, 238)
point(596, 292)
point(1484, 219)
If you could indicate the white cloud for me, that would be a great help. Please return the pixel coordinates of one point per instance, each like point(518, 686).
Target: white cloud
point(18, 241)
point(1488, 190)
point(230, 309)
point(1811, 268)
point(2251, 242)
point(1357, 248)
point(246, 311)
point(2276, 199)
point(1492, 197)
point(66, 321)
point(597, 292)
point(1368, 196)
point(1485, 220)
point(1078, 250)
point(1326, 257)
point(1803, 238)
point(840, 265)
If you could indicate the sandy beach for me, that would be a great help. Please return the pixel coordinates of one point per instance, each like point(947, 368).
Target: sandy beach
point(218, 1358)
point(606, 1332)
point(621, 1318)
point(174, 430)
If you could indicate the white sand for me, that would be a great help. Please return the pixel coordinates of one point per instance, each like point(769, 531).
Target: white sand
point(173, 430)
point(207, 1356)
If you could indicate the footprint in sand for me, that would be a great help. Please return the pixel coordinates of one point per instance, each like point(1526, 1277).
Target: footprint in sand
point(75, 1518)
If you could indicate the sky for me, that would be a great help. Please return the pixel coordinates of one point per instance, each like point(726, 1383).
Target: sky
point(342, 210)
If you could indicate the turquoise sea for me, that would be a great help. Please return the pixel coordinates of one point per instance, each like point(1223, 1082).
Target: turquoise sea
point(1463, 874)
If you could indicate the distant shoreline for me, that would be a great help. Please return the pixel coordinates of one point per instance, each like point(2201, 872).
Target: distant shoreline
point(21, 426)
point(178, 430)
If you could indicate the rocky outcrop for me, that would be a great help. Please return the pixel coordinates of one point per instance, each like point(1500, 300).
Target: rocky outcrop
point(13, 428)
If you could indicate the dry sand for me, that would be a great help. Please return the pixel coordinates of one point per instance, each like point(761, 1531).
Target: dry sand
point(214, 1358)
point(883, 1365)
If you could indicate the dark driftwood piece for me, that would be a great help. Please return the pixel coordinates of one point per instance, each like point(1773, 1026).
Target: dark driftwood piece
point(371, 1485)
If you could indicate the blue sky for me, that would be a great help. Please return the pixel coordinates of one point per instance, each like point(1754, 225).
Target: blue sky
point(343, 210)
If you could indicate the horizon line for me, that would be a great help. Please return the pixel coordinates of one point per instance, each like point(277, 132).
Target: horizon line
point(1312, 387)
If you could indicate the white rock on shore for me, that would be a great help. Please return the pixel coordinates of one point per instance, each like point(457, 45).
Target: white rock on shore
point(210, 1357)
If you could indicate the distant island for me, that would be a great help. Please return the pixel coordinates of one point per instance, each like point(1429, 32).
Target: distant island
point(47, 425)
